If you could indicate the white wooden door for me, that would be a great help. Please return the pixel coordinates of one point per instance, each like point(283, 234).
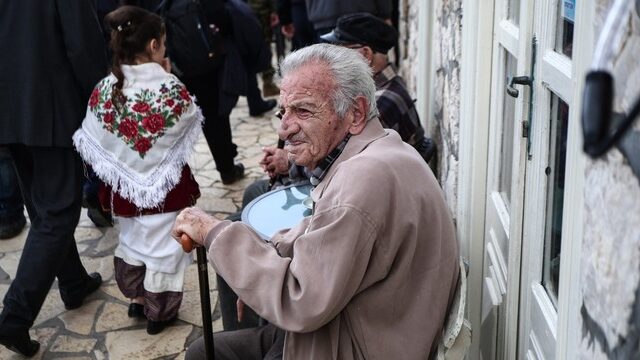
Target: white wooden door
point(533, 40)
point(546, 179)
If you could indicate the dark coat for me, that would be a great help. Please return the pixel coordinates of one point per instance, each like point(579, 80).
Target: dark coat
point(52, 54)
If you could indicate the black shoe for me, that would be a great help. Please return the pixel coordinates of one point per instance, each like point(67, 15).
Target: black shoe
point(12, 226)
point(136, 311)
point(20, 343)
point(263, 108)
point(92, 284)
point(156, 327)
point(100, 218)
point(234, 175)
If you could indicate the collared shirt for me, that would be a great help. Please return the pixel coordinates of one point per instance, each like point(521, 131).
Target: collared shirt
point(396, 107)
point(324, 165)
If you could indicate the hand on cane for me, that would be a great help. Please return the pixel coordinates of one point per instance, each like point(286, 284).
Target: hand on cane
point(191, 227)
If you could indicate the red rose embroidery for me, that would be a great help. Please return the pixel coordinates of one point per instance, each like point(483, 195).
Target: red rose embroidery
point(94, 99)
point(109, 117)
point(184, 94)
point(153, 123)
point(141, 107)
point(107, 105)
point(169, 102)
point(142, 145)
point(177, 109)
point(128, 128)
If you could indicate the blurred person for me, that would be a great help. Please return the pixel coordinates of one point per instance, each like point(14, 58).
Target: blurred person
point(51, 66)
point(265, 11)
point(295, 24)
point(324, 14)
point(364, 276)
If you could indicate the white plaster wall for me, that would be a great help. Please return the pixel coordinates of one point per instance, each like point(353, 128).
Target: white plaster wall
point(611, 244)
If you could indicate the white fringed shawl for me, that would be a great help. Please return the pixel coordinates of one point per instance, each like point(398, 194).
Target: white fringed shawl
point(140, 149)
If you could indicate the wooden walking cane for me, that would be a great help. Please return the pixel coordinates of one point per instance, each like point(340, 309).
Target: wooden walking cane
point(205, 301)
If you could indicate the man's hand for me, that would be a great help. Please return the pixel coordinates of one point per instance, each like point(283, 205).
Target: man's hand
point(240, 309)
point(195, 223)
point(288, 30)
point(275, 161)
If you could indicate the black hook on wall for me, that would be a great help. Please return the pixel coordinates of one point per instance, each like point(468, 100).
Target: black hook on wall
point(602, 128)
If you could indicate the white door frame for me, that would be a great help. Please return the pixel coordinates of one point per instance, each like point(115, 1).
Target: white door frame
point(475, 92)
point(569, 321)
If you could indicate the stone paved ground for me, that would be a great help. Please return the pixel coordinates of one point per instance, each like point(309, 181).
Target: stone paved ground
point(101, 329)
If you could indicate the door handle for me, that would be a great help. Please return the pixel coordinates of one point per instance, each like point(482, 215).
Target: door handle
point(517, 80)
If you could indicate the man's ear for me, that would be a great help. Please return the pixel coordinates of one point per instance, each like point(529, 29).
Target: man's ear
point(359, 120)
point(368, 53)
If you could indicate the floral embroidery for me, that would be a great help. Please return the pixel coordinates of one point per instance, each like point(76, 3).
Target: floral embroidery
point(143, 119)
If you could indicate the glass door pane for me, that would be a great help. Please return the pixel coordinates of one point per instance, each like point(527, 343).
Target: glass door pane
point(513, 11)
point(555, 195)
point(564, 29)
point(506, 137)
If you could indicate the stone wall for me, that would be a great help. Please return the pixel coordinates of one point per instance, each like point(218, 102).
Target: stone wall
point(445, 116)
point(611, 243)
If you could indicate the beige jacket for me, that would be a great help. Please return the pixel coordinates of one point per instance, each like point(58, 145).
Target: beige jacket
point(369, 275)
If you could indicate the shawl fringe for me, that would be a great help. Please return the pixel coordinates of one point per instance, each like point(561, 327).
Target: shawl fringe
point(144, 192)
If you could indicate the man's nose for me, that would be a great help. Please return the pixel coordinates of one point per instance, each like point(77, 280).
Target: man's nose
point(288, 127)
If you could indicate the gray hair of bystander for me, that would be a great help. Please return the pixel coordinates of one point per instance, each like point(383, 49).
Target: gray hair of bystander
point(351, 74)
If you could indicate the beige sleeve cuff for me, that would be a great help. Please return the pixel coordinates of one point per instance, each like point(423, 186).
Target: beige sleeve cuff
point(213, 233)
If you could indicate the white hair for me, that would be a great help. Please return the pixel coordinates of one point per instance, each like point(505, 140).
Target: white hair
point(351, 74)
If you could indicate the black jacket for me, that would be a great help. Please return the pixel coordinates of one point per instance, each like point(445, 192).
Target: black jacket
point(52, 53)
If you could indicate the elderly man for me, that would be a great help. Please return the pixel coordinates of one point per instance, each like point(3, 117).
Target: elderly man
point(370, 274)
point(373, 38)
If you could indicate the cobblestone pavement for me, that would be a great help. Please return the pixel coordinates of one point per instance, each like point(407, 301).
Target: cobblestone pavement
point(101, 329)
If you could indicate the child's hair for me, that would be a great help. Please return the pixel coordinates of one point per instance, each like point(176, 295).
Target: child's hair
point(132, 28)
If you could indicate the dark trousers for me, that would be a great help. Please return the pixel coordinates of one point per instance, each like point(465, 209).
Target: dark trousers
point(216, 128)
point(51, 183)
point(305, 35)
point(11, 206)
point(265, 342)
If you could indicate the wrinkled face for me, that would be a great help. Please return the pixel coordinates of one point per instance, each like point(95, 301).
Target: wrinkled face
point(310, 125)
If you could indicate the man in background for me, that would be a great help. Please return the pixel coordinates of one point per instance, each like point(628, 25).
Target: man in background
point(50, 67)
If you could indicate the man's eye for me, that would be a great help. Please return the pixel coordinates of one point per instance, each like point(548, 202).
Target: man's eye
point(303, 113)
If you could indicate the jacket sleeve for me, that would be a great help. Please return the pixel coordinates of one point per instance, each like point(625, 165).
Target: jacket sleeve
point(303, 287)
point(83, 42)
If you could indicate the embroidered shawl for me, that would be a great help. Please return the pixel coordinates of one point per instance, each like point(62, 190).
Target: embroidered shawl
point(139, 148)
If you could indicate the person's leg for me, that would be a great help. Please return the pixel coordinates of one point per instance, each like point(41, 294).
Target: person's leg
point(216, 127)
point(257, 105)
point(90, 189)
point(245, 344)
point(52, 186)
point(129, 278)
point(228, 298)
point(12, 219)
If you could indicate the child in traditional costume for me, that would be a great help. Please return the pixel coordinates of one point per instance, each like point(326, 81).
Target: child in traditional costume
point(140, 127)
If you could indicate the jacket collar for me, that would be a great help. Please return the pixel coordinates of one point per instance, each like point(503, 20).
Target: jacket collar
point(356, 144)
